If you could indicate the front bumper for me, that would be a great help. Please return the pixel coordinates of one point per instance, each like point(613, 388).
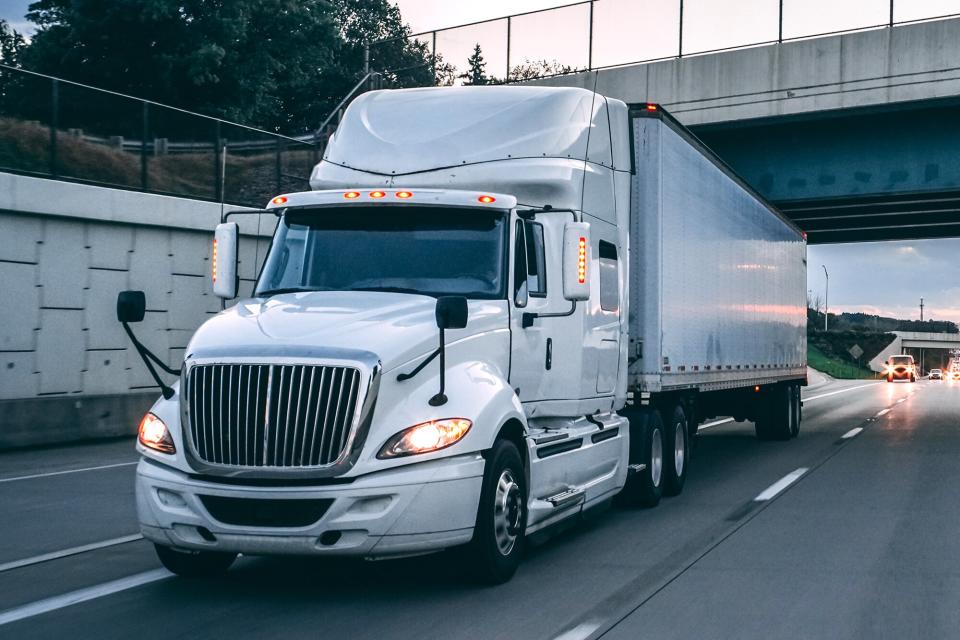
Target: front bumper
point(415, 508)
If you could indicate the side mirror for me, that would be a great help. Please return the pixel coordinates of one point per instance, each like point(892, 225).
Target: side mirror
point(224, 260)
point(131, 305)
point(577, 254)
point(451, 312)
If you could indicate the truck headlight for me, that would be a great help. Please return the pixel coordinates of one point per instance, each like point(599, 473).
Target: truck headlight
point(153, 434)
point(425, 437)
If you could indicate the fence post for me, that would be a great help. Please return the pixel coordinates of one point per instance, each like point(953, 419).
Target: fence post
point(680, 51)
point(54, 123)
point(590, 40)
point(279, 166)
point(434, 58)
point(507, 78)
point(780, 23)
point(891, 13)
point(143, 146)
point(218, 186)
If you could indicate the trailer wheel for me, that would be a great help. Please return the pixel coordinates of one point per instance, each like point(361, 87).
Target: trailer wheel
point(645, 486)
point(774, 415)
point(498, 539)
point(796, 410)
point(194, 564)
point(676, 456)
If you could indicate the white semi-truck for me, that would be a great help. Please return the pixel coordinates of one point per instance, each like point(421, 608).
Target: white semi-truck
point(497, 308)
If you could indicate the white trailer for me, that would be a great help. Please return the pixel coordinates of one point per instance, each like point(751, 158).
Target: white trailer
point(499, 307)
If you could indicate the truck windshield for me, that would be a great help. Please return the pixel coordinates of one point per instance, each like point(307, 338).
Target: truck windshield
point(427, 250)
point(901, 360)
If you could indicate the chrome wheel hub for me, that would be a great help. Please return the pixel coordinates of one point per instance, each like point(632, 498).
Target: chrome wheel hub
point(679, 449)
point(656, 457)
point(507, 512)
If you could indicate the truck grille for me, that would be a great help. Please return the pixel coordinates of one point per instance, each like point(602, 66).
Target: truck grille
point(259, 415)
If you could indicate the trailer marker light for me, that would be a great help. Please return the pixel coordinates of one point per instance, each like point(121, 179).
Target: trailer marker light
point(377, 194)
point(213, 261)
point(757, 388)
point(486, 199)
point(350, 195)
point(582, 261)
point(404, 194)
point(279, 200)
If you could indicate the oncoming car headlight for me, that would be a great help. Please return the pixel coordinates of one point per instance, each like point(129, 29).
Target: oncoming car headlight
point(153, 434)
point(425, 437)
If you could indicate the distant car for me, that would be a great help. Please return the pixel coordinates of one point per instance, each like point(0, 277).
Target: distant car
point(901, 368)
point(936, 374)
point(955, 374)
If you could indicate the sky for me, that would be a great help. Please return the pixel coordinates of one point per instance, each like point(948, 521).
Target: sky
point(886, 278)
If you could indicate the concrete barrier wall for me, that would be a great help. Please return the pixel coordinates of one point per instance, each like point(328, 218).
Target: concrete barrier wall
point(67, 370)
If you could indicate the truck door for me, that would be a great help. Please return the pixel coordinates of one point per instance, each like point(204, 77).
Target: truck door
point(531, 354)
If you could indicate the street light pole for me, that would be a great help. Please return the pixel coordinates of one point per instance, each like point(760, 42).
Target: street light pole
point(826, 299)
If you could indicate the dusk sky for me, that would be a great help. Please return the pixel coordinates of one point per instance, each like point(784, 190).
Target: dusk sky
point(885, 278)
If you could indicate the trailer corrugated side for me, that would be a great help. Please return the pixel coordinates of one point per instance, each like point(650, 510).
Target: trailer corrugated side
point(717, 274)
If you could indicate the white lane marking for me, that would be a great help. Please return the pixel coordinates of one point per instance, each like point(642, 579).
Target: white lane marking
point(852, 433)
point(61, 473)
point(82, 595)
point(781, 484)
point(901, 400)
point(72, 551)
point(579, 632)
point(715, 423)
point(833, 393)
point(883, 413)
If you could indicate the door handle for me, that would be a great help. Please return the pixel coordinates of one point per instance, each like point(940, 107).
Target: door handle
point(549, 362)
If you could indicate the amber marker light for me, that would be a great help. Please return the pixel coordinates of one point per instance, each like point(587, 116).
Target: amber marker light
point(651, 107)
point(486, 199)
point(213, 261)
point(403, 195)
point(279, 200)
point(377, 194)
point(582, 261)
point(351, 195)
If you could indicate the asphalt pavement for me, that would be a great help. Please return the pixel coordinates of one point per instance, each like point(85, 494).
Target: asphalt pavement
point(849, 531)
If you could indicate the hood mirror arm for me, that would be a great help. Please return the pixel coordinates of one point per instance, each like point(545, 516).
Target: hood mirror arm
point(406, 376)
point(451, 313)
point(146, 355)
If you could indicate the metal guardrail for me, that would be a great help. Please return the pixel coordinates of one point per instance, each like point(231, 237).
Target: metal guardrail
point(54, 128)
point(601, 34)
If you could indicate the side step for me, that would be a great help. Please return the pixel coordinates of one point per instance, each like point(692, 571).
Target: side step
point(566, 498)
point(635, 468)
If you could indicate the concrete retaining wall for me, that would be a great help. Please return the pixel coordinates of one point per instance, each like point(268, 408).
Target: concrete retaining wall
point(67, 370)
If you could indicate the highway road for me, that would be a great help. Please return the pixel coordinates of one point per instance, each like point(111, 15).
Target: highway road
point(850, 531)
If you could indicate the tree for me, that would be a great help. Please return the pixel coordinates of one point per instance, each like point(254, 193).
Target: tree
point(530, 69)
point(11, 44)
point(476, 68)
point(277, 64)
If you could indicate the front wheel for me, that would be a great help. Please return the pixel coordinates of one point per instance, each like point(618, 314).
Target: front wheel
point(194, 564)
point(645, 485)
point(498, 538)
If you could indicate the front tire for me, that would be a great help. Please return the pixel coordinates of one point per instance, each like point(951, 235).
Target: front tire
point(499, 535)
point(645, 487)
point(194, 564)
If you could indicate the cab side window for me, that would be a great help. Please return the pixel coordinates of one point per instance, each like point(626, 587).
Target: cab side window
point(609, 277)
point(536, 259)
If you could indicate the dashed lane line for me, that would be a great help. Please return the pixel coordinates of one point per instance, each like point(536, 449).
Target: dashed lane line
point(780, 485)
point(63, 473)
point(72, 551)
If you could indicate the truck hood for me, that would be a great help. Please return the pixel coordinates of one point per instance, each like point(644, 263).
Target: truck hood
point(397, 327)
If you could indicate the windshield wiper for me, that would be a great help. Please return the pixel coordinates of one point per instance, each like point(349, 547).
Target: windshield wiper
point(390, 290)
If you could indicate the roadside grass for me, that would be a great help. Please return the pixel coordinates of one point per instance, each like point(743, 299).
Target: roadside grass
point(837, 368)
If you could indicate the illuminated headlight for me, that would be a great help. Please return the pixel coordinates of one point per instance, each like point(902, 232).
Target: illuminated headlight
point(153, 434)
point(426, 437)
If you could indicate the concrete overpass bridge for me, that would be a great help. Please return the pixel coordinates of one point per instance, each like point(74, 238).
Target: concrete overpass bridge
point(929, 350)
point(854, 136)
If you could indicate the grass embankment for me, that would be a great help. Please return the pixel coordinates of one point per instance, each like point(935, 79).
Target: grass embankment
point(835, 367)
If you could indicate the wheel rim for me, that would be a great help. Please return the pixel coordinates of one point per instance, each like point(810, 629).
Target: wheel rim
point(656, 457)
point(507, 512)
point(679, 449)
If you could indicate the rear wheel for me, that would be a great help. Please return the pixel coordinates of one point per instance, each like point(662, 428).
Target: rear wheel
point(796, 414)
point(774, 413)
point(645, 485)
point(498, 539)
point(676, 452)
point(194, 564)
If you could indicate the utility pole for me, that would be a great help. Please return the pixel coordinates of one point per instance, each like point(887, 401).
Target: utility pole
point(826, 299)
point(921, 309)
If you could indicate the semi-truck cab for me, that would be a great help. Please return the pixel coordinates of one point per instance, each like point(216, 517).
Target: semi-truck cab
point(446, 345)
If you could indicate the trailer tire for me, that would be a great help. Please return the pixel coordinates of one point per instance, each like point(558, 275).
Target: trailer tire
point(676, 458)
point(194, 564)
point(774, 415)
point(645, 487)
point(796, 410)
point(494, 554)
